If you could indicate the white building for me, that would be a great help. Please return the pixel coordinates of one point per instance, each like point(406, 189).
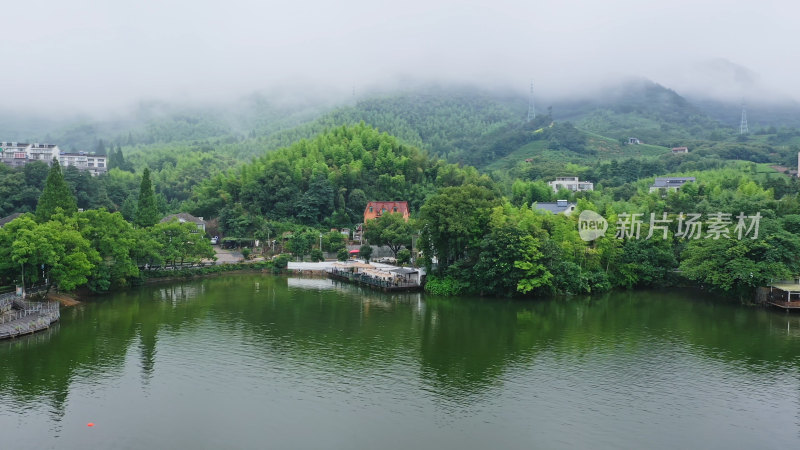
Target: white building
point(17, 154)
point(42, 152)
point(571, 184)
point(95, 164)
point(14, 154)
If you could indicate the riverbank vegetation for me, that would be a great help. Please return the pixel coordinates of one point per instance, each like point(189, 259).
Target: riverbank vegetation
point(95, 248)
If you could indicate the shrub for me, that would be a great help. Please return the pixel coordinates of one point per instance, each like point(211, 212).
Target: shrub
point(404, 256)
point(281, 262)
point(342, 254)
point(365, 251)
point(447, 286)
point(316, 255)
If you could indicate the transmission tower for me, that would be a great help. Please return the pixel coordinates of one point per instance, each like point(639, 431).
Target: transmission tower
point(743, 125)
point(531, 109)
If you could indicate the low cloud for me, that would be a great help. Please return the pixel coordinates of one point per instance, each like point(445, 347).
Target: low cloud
point(101, 56)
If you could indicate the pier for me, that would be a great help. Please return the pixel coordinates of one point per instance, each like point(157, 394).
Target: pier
point(388, 280)
point(19, 316)
point(782, 294)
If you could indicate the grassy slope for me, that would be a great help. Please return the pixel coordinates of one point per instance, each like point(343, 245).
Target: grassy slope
point(605, 147)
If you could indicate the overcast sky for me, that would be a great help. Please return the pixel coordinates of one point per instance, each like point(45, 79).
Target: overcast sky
point(96, 55)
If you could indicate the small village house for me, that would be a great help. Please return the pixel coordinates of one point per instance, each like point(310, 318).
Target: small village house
point(670, 183)
point(571, 184)
point(374, 210)
point(556, 207)
point(186, 217)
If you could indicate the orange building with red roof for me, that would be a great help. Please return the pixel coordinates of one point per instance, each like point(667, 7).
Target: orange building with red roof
point(376, 209)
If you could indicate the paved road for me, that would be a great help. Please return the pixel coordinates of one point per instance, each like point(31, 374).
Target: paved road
point(227, 256)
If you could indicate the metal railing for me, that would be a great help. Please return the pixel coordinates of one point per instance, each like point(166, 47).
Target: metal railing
point(22, 308)
point(6, 302)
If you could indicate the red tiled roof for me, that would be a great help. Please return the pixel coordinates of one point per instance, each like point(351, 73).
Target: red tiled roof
point(402, 207)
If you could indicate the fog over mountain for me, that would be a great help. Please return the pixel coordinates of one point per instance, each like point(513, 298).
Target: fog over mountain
point(96, 57)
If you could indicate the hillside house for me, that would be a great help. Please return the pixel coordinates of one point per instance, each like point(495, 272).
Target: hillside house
point(670, 183)
point(678, 150)
point(557, 207)
point(186, 217)
point(571, 184)
point(633, 141)
point(374, 210)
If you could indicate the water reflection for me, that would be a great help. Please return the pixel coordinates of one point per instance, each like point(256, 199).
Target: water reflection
point(640, 350)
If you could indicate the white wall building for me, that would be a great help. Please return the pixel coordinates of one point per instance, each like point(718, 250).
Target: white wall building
point(571, 184)
point(95, 164)
point(17, 154)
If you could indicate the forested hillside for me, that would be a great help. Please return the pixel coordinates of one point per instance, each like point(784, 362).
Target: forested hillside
point(185, 146)
point(328, 180)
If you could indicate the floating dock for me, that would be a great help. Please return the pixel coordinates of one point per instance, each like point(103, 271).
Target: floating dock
point(782, 294)
point(387, 280)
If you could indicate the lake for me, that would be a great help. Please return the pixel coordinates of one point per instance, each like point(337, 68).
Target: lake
point(255, 361)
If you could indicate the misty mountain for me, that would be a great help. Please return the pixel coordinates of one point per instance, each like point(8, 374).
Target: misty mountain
point(462, 124)
point(760, 114)
point(642, 109)
point(157, 122)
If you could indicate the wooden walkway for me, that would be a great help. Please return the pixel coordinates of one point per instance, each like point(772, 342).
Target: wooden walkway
point(785, 305)
point(781, 294)
point(18, 317)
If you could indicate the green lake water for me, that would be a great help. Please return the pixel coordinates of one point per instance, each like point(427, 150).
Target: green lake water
point(262, 362)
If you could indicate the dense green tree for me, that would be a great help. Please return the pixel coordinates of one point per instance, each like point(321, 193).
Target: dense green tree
point(365, 252)
point(128, 209)
point(404, 257)
point(56, 194)
point(391, 230)
point(54, 248)
point(36, 174)
point(181, 242)
point(333, 241)
point(453, 221)
point(116, 243)
point(317, 202)
point(147, 213)
point(301, 242)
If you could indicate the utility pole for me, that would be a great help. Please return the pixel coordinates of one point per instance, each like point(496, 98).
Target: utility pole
point(743, 124)
point(531, 108)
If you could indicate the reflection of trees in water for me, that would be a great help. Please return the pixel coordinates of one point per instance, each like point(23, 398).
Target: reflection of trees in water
point(181, 292)
point(91, 341)
point(463, 347)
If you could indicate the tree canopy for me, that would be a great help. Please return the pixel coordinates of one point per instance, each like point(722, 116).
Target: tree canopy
point(56, 194)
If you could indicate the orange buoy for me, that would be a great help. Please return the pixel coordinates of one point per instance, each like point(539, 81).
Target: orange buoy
point(90, 424)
